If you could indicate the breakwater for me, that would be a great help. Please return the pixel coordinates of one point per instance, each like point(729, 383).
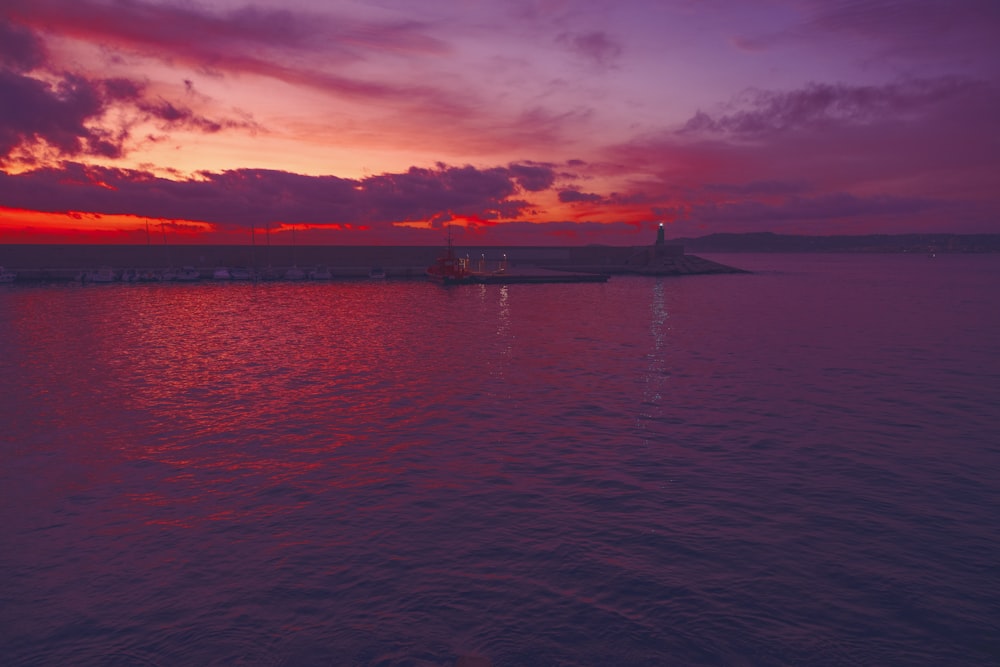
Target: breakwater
point(67, 262)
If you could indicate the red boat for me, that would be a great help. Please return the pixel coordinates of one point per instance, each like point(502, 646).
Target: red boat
point(451, 270)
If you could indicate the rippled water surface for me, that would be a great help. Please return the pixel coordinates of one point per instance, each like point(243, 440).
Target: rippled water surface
point(800, 466)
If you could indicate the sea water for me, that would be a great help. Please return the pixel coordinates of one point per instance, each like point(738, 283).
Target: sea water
point(797, 466)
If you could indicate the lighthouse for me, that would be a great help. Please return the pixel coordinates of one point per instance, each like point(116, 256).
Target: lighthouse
point(659, 235)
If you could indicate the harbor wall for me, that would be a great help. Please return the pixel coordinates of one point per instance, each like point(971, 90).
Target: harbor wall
point(343, 258)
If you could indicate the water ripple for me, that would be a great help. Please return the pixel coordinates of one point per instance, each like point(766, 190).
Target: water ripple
point(767, 469)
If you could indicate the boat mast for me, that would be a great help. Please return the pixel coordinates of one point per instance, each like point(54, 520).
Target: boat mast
point(166, 250)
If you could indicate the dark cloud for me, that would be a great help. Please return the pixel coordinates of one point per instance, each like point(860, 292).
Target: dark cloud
point(946, 36)
point(754, 188)
point(67, 113)
point(533, 177)
point(32, 110)
point(120, 89)
point(597, 47)
point(180, 26)
point(421, 194)
point(254, 196)
point(760, 112)
point(571, 196)
point(913, 26)
point(816, 155)
point(831, 207)
point(248, 39)
point(20, 49)
point(174, 116)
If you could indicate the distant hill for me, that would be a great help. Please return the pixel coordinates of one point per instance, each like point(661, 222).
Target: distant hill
point(876, 243)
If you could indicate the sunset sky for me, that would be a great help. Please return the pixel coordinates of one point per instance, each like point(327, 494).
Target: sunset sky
point(518, 121)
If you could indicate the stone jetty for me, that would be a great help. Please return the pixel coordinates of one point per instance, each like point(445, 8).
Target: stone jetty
point(68, 262)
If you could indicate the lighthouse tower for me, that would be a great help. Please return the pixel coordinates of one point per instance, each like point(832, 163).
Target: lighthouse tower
point(659, 235)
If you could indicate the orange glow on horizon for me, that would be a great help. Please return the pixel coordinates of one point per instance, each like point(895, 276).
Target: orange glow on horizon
point(26, 227)
point(22, 226)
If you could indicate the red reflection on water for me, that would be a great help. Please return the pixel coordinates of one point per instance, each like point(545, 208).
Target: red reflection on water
point(247, 390)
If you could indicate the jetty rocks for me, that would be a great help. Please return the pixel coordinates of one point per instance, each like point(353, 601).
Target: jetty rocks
point(67, 262)
point(662, 260)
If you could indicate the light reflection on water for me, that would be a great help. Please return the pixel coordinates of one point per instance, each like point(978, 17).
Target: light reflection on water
point(793, 467)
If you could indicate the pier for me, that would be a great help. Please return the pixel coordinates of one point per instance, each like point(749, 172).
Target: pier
point(520, 263)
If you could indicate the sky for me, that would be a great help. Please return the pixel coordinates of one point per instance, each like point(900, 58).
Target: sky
point(528, 122)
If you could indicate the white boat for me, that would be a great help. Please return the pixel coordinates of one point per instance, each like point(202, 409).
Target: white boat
point(295, 273)
point(377, 273)
point(320, 273)
point(240, 273)
point(7, 276)
point(221, 273)
point(102, 275)
point(187, 274)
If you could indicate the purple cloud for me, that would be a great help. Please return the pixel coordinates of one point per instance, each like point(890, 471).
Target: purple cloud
point(918, 27)
point(533, 177)
point(174, 116)
point(930, 34)
point(816, 156)
point(596, 46)
point(255, 196)
point(759, 112)
point(798, 209)
point(66, 112)
point(20, 49)
point(245, 40)
point(33, 110)
point(572, 196)
point(756, 188)
point(67, 115)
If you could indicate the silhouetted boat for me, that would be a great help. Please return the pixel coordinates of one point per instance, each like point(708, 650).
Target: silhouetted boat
point(222, 273)
point(102, 275)
point(450, 270)
point(7, 276)
point(377, 273)
point(187, 274)
point(320, 273)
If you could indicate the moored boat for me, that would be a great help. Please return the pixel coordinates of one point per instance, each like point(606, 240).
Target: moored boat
point(105, 274)
point(187, 274)
point(320, 273)
point(7, 276)
point(450, 270)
